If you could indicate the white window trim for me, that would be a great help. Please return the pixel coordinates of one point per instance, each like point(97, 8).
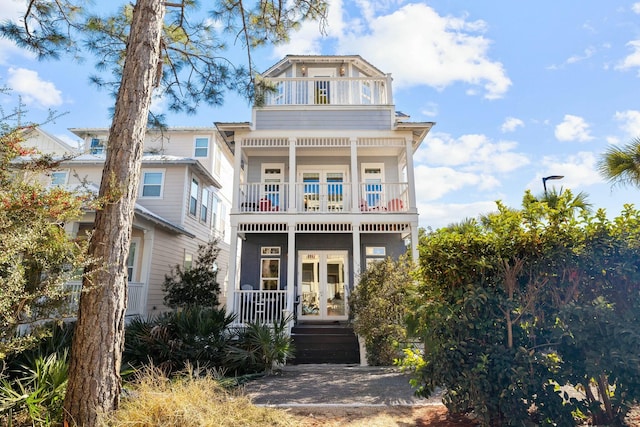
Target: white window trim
point(99, 149)
point(198, 196)
point(195, 148)
point(204, 204)
point(141, 189)
point(135, 242)
point(270, 257)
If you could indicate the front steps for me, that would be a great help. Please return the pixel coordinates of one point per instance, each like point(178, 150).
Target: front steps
point(334, 343)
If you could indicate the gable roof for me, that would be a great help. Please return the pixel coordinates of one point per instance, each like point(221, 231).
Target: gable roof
point(356, 60)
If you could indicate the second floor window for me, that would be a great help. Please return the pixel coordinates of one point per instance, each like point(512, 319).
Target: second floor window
point(201, 147)
point(193, 197)
point(96, 146)
point(204, 207)
point(152, 184)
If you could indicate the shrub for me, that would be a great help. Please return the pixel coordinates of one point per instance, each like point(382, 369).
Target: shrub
point(382, 288)
point(170, 341)
point(36, 395)
point(260, 348)
point(195, 285)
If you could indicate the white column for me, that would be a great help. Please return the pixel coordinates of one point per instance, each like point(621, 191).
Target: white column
point(411, 176)
point(237, 170)
point(233, 269)
point(356, 251)
point(355, 176)
point(291, 266)
point(292, 175)
point(414, 242)
point(145, 271)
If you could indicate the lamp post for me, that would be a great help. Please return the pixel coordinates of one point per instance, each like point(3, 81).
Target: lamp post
point(546, 178)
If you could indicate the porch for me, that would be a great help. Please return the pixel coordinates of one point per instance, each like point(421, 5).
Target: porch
point(135, 297)
point(306, 197)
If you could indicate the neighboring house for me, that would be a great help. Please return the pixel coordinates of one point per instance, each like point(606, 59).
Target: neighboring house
point(323, 186)
point(182, 203)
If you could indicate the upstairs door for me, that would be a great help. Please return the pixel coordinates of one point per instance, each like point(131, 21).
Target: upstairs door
point(322, 285)
point(321, 90)
point(323, 189)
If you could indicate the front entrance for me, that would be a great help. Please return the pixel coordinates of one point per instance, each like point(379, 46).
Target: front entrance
point(322, 279)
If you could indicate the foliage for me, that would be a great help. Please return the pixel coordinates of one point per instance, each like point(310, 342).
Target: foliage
point(195, 285)
point(621, 164)
point(382, 288)
point(189, 400)
point(517, 307)
point(195, 335)
point(36, 255)
point(260, 348)
point(37, 392)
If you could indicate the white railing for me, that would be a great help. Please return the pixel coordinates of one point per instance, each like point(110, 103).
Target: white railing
point(264, 307)
point(135, 297)
point(313, 197)
point(263, 197)
point(327, 91)
point(384, 197)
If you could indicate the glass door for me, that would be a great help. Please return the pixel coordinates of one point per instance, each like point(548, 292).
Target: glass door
point(322, 285)
point(323, 190)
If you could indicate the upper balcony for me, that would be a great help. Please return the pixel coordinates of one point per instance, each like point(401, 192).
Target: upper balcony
point(324, 91)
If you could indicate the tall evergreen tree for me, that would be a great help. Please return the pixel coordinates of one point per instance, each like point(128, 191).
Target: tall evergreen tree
point(155, 49)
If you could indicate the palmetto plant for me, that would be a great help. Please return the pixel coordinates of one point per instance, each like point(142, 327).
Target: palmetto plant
point(621, 165)
point(36, 396)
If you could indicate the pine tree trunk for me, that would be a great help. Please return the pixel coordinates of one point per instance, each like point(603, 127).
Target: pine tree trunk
point(96, 354)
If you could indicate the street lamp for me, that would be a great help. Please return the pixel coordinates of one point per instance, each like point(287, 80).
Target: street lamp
point(544, 181)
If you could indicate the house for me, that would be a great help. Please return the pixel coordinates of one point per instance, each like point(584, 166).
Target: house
point(184, 200)
point(323, 185)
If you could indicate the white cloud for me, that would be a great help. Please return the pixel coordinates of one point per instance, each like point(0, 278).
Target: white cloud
point(444, 49)
point(573, 128)
point(471, 153)
point(636, 8)
point(633, 60)
point(32, 88)
point(433, 183)
point(11, 10)
point(579, 170)
point(430, 109)
point(630, 122)
point(437, 215)
point(511, 124)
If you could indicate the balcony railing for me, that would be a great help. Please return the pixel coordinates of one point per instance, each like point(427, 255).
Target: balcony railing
point(327, 91)
point(135, 297)
point(267, 197)
point(264, 307)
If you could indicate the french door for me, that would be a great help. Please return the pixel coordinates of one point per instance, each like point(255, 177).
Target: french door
point(322, 279)
point(323, 190)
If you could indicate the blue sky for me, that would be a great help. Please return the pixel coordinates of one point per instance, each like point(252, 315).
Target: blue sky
point(518, 91)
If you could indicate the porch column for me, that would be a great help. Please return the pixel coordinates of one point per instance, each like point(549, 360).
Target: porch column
point(357, 269)
point(145, 271)
point(293, 205)
point(355, 181)
point(291, 265)
point(410, 175)
point(237, 170)
point(233, 268)
point(414, 242)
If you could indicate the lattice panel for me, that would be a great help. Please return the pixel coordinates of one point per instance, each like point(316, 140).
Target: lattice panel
point(381, 142)
point(385, 228)
point(265, 142)
point(323, 228)
point(322, 142)
point(262, 228)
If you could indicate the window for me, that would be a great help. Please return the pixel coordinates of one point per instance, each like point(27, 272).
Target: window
point(201, 147)
point(372, 177)
point(217, 162)
point(132, 259)
point(96, 146)
point(223, 218)
point(59, 177)
point(204, 207)
point(188, 261)
point(193, 197)
point(214, 212)
point(374, 254)
point(270, 268)
point(272, 176)
point(152, 183)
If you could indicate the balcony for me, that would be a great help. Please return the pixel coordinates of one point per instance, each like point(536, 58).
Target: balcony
point(267, 197)
point(326, 91)
point(135, 297)
point(264, 307)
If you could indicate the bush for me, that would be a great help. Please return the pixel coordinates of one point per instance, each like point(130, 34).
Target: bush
point(195, 335)
point(195, 285)
point(382, 288)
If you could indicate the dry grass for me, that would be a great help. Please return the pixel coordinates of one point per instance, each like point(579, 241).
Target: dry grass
point(190, 401)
